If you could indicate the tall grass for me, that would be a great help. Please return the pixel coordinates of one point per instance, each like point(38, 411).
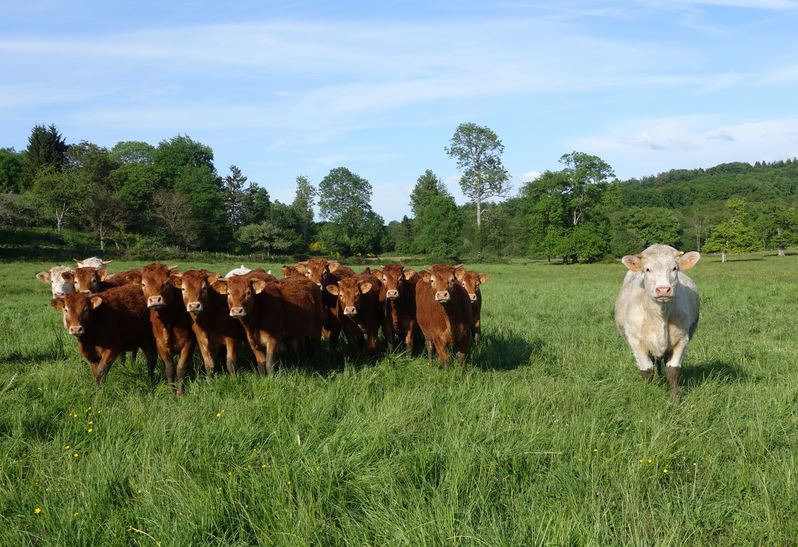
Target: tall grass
point(552, 437)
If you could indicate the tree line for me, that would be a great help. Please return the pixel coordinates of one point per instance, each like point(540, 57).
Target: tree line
point(138, 196)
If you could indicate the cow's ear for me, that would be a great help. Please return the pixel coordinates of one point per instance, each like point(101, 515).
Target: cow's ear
point(220, 286)
point(459, 272)
point(367, 270)
point(102, 274)
point(173, 269)
point(365, 287)
point(301, 267)
point(332, 289)
point(484, 278)
point(212, 277)
point(68, 276)
point(632, 262)
point(377, 273)
point(688, 260)
point(95, 302)
point(408, 273)
point(258, 285)
point(425, 276)
point(177, 280)
point(44, 277)
point(57, 303)
point(333, 265)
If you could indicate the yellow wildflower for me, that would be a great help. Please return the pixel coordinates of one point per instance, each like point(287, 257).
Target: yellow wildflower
point(37, 510)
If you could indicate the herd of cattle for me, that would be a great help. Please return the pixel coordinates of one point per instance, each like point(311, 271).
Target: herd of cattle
point(165, 312)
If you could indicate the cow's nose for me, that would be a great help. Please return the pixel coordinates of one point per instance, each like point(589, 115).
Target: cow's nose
point(155, 301)
point(194, 306)
point(442, 296)
point(473, 297)
point(59, 295)
point(392, 294)
point(665, 290)
point(76, 331)
point(350, 310)
point(238, 311)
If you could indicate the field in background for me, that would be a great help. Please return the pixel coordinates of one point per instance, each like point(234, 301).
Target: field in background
point(552, 437)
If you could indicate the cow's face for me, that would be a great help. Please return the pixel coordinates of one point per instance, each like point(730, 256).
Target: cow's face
point(194, 286)
point(77, 309)
point(660, 265)
point(60, 278)
point(316, 269)
point(88, 279)
point(157, 281)
point(470, 281)
point(292, 271)
point(240, 291)
point(349, 292)
point(393, 278)
point(442, 280)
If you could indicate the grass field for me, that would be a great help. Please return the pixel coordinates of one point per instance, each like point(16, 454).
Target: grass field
point(552, 437)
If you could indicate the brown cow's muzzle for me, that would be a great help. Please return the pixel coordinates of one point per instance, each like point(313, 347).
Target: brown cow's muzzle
point(156, 301)
point(76, 331)
point(392, 294)
point(350, 310)
point(194, 307)
point(238, 311)
point(442, 296)
point(473, 297)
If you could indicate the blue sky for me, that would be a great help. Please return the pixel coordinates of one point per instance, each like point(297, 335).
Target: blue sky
point(289, 88)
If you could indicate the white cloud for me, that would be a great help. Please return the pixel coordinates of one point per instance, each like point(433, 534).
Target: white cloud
point(643, 147)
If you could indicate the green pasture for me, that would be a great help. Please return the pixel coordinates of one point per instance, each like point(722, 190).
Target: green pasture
point(550, 438)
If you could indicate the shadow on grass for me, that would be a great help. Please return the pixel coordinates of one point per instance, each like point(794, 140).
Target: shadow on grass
point(694, 376)
point(503, 351)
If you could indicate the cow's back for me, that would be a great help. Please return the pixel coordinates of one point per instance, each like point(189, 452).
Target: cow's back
point(122, 319)
point(301, 307)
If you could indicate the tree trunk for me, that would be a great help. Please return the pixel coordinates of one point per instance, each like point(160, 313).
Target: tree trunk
point(781, 251)
point(723, 257)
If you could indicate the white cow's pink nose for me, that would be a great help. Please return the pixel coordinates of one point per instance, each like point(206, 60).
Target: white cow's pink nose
point(665, 290)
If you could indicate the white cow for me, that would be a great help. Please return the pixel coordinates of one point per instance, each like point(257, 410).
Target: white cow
point(237, 271)
point(60, 278)
point(657, 309)
point(93, 262)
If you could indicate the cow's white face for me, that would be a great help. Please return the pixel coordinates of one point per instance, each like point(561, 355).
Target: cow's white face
point(660, 265)
point(60, 278)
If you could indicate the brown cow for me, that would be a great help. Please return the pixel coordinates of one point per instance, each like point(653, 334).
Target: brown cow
point(171, 324)
point(443, 311)
point(471, 281)
point(94, 280)
point(108, 324)
point(320, 271)
point(399, 295)
point(292, 271)
point(360, 309)
point(273, 312)
point(212, 324)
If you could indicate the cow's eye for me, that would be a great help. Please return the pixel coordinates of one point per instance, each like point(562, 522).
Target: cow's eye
point(675, 268)
point(648, 270)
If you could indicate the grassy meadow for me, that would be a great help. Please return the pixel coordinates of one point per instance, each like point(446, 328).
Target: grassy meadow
point(551, 438)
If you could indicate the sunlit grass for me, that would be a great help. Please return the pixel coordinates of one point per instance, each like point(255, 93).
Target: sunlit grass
point(551, 438)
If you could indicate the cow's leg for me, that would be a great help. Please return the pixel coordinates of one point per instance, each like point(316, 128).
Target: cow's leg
point(335, 333)
point(443, 352)
point(182, 365)
point(644, 362)
point(410, 328)
point(272, 347)
point(428, 345)
point(387, 331)
point(371, 341)
point(168, 367)
point(674, 366)
point(101, 368)
point(477, 331)
point(232, 355)
point(152, 358)
point(207, 352)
